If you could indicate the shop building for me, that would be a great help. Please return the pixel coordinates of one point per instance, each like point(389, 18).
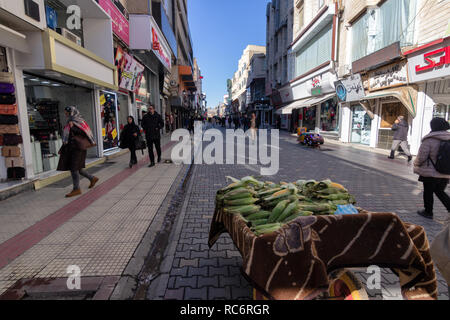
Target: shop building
point(16, 20)
point(373, 58)
point(309, 100)
point(429, 69)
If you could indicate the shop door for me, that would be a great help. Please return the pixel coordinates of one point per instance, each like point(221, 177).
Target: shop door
point(389, 113)
point(361, 126)
point(110, 122)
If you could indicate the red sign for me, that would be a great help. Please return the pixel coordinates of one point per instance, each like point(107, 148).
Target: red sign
point(120, 24)
point(431, 63)
point(159, 50)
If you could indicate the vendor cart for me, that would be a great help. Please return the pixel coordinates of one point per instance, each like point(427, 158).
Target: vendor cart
point(309, 257)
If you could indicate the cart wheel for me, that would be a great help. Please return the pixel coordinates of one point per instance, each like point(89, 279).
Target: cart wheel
point(346, 286)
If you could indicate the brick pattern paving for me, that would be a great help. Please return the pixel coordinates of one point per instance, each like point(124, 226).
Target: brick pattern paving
point(200, 273)
point(99, 236)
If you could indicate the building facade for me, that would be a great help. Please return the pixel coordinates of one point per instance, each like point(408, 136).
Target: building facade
point(396, 55)
point(240, 82)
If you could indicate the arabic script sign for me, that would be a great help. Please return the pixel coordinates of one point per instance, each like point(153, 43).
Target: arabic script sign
point(390, 76)
point(350, 89)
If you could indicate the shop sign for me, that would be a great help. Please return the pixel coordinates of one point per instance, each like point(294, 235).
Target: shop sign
point(130, 71)
point(430, 65)
point(316, 86)
point(159, 48)
point(120, 24)
point(350, 89)
point(389, 76)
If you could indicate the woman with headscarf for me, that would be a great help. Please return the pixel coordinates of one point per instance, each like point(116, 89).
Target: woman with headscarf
point(77, 138)
point(128, 139)
point(434, 182)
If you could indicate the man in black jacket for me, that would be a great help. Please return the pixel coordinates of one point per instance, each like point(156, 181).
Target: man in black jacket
point(400, 129)
point(152, 123)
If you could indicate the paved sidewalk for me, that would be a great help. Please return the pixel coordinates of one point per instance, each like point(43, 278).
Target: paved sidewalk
point(42, 233)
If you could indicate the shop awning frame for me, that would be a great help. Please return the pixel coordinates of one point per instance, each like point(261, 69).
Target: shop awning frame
point(293, 105)
point(407, 95)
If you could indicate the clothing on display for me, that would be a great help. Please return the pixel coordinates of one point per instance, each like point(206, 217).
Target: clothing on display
point(110, 132)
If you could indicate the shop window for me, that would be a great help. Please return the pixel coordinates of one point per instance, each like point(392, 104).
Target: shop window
point(316, 52)
point(109, 115)
point(382, 26)
point(442, 111)
point(329, 117)
point(46, 100)
point(361, 126)
point(390, 112)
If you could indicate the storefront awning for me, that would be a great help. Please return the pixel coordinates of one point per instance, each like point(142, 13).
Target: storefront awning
point(406, 95)
point(318, 100)
point(294, 105)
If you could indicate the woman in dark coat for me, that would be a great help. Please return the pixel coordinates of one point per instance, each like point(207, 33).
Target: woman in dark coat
point(128, 139)
point(77, 138)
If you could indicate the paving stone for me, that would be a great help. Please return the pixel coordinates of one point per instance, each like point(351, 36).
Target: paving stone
point(208, 262)
point(186, 282)
point(230, 281)
point(208, 281)
point(188, 263)
point(201, 271)
point(242, 293)
point(219, 293)
point(174, 294)
point(220, 271)
point(196, 294)
point(179, 271)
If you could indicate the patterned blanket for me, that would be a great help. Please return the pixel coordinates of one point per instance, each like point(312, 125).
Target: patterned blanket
point(294, 263)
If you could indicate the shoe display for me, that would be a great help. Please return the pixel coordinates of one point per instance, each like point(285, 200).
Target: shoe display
point(93, 182)
point(73, 193)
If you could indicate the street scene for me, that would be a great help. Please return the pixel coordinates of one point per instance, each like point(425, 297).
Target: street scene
point(140, 159)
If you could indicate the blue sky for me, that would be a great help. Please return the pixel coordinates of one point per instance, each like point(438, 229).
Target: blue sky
point(220, 30)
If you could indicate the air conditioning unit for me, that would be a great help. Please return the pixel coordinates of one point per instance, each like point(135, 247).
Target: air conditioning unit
point(70, 36)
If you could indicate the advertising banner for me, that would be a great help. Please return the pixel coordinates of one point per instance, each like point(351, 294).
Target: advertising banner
point(350, 89)
point(120, 24)
point(130, 71)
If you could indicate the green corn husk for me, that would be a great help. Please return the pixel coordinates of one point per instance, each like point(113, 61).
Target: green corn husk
point(268, 192)
point(265, 226)
point(278, 210)
point(331, 190)
point(278, 195)
point(317, 208)
point(267, 230)
point(338, 196)
point(259, 222)
point(241, 202)
point(238, 196)
point(339, 202)
point(259, 215)
point(243, 210)
point(288, 211)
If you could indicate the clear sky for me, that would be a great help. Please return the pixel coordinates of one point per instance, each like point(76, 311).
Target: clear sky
point(220, 30)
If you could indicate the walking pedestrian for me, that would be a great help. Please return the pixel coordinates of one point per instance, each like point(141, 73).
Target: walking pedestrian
point(253, 127)
point(128, 139)
point(400, 129)
point(172, 128)
point(152, 123)
point(77, 139)
point(434, 182)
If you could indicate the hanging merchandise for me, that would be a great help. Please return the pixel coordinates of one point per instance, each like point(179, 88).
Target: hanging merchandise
point(16, 173)
point(9, 129)
point(6, 77)
point(7, 98)
point(7, 88)
point(11, 152)
point(8, 119)
point(109, 120)
point(14, 162)
point(8, 109)
point(12, 139)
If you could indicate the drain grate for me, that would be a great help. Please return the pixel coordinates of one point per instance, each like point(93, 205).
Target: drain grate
point(68, 181)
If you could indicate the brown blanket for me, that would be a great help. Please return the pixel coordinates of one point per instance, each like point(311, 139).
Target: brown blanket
point(294, 262)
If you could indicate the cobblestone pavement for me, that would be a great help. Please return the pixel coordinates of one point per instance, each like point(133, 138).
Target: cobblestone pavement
point(192, 271)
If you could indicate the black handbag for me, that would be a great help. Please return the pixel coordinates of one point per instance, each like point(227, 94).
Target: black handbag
point(16, 173)
point(12, 139)
point(7, 98)
point(7, 119)
point(141, 143)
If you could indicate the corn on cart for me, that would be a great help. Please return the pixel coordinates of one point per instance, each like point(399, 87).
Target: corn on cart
point(295, 245)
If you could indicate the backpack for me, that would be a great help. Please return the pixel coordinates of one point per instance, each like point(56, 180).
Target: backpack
point(442, 164)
